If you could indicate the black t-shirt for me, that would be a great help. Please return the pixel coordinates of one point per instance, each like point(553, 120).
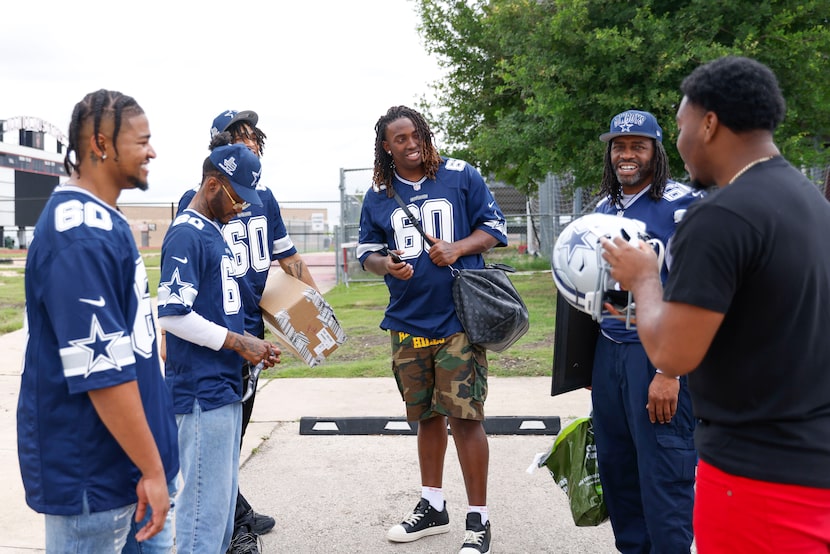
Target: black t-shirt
point(758, 251)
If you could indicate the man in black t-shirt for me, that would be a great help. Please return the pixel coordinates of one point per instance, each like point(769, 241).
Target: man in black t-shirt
point(747, 296)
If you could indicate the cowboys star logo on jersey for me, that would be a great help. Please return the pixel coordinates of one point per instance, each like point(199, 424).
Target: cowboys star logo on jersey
point(98, 351)
point(176, 291)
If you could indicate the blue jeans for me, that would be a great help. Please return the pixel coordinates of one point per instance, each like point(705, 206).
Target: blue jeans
point(161, 543)
point(89, 531)
point(209, 457)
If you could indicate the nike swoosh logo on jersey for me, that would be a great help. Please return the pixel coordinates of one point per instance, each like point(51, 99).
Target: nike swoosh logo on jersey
point(180, 260)
point(100, 302)
point(490, 205)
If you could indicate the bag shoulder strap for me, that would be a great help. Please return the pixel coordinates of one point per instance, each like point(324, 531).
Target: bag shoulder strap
point(417, 224)
point(415, 221)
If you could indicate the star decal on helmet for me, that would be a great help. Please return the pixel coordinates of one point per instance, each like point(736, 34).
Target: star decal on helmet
point(578, 240)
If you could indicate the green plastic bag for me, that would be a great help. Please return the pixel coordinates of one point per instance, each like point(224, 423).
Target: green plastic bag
point(573, 464)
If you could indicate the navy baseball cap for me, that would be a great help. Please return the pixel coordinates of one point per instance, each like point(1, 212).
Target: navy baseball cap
point(229, 117)
point(241, 167)
point(633, 122)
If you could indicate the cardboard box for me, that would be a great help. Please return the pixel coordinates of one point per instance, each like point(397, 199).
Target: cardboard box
point(300, 318)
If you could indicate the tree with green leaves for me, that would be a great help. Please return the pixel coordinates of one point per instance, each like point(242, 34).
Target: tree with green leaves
point(531, 84)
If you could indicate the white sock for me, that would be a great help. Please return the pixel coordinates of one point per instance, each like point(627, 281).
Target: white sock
point(435, 496)
point(481, 510)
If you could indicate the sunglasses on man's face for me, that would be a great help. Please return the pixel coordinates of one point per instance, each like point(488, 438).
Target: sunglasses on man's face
point(238, 206)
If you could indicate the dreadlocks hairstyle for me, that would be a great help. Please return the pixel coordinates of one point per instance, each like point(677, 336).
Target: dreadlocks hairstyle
point(240, 129)
point(96, 105)
point(384, 165)
point(611, 187)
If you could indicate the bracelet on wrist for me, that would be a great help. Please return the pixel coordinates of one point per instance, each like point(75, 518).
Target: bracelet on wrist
point(660, 371)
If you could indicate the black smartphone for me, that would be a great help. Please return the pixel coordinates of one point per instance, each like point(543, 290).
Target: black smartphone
point(395, 258)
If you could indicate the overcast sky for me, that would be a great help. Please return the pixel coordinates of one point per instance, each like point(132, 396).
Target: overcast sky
point(318, 73)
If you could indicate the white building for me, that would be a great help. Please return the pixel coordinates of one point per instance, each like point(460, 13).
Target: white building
point(31, 166)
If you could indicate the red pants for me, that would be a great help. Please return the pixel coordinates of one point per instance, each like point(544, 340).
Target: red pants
point(736, 515)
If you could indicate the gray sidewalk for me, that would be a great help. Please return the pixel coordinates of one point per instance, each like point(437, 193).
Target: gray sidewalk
point(340, 493)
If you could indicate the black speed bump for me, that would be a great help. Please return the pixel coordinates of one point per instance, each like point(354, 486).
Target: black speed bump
point(500, 425)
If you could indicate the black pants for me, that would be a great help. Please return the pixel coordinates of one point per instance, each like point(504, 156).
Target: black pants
point(242, 506)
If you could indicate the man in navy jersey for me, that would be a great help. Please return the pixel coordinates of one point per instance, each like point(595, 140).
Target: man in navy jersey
point(742, 312)
point(441, 376)
point(96, 430)
point(643, 422)
point(256, 237)
point(200, 308)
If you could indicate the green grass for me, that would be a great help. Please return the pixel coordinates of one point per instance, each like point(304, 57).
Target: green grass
point(522, 262)
point(12, 295)
point(366, 352)
point(359, 309)
point(152, 261)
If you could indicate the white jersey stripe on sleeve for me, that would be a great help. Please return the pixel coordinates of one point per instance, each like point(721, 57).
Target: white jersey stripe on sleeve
point(101, 353)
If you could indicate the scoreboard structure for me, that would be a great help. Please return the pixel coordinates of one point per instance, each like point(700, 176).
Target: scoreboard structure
point(31, 166)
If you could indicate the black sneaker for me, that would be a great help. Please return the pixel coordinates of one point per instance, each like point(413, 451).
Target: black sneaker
point(477, 536)
point(244, 542)
point(422, 522)
point(260, 523)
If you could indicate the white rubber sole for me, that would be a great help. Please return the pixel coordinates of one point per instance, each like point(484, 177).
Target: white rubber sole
point(397, 533)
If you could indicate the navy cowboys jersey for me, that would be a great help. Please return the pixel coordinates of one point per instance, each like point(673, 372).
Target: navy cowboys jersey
point(450, 207)
point(661, 218)
point(89, 326)
point(256, 237)
point(197, 274)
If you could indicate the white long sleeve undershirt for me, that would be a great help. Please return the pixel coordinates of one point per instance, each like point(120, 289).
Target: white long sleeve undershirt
point(196, 329)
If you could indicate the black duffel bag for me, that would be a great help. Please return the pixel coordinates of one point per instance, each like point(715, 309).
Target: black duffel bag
point(490, 309)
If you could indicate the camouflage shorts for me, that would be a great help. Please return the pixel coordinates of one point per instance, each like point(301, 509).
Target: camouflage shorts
point(440, 376)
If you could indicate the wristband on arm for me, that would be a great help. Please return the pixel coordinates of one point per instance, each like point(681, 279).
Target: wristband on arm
point(661, 373)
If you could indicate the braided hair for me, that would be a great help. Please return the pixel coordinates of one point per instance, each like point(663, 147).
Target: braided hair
point(96, 105)
point(240, 130)
point(611, 187)
point(384, 165)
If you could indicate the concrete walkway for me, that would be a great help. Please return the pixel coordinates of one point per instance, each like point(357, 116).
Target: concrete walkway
point(339, 493)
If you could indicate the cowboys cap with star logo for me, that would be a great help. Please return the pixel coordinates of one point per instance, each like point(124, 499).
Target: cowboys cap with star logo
point(633, 122)
point(229, 117)
point(241, 167)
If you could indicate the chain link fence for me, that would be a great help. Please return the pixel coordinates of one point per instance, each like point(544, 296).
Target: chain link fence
point(354, 183)
point(533, 223)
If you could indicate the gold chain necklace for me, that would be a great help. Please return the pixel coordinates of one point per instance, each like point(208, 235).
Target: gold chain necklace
point(748, 166)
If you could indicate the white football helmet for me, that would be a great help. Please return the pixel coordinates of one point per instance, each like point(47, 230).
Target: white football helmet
point(583, 276)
